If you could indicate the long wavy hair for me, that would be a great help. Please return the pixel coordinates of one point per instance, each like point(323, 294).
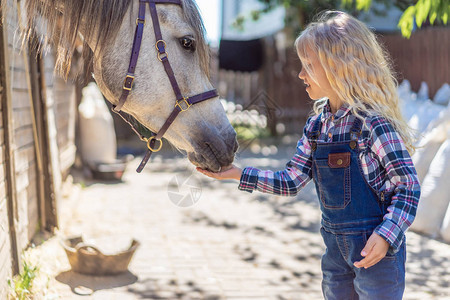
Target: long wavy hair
point(358, 68)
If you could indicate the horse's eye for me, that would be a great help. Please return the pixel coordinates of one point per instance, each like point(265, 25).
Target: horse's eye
point(188, 43)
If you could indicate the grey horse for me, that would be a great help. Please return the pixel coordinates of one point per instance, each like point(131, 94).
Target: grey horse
point(107, 29)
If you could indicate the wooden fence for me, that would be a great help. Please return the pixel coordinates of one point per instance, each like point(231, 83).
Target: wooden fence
point(425, 57)
point(275, 90)
point(36, 144)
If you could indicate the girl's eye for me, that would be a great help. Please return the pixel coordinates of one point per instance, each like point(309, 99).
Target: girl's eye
point(188, 43)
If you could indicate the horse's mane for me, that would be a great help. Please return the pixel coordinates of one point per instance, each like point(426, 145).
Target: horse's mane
point(62, 30)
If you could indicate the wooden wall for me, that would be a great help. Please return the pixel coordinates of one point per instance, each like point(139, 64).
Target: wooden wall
point(20, 162)
point(65, 110)
point(424, 57)
point(37, 131)
point(5, 237)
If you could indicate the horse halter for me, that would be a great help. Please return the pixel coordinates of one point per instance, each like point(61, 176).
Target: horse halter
point(182, 103)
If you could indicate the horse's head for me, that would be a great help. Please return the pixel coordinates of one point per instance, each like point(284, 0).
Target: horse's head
point(203, 131)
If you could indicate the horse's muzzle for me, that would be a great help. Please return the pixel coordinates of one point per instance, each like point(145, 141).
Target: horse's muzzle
point(214, 152)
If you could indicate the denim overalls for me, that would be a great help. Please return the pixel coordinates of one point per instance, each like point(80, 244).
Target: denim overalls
point(351, 210)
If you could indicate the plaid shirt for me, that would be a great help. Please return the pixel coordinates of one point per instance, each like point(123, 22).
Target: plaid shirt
point(386, 164)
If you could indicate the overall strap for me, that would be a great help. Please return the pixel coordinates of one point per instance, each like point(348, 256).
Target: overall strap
point(315, 132)
point(355, 132)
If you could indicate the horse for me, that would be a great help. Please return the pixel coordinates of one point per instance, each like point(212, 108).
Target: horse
point(107, 28)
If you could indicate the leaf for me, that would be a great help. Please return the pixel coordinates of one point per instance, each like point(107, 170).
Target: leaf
point(406, 22)
point(346, 3)
point(445, 17)
point(422, 11)
point(363, 4)
point(255, 14)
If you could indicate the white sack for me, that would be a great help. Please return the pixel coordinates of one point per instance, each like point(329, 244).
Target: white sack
point(422, 94)
point(98, 138)
point(425, 113)
point(442, 96)
point(445, 230)
point(435, 194)
point(428, 147)
point(404, 90)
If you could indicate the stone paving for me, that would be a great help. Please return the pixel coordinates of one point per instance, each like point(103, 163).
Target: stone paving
point(220, 243)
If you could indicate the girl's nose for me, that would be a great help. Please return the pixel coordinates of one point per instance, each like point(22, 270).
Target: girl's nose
point(301, 75)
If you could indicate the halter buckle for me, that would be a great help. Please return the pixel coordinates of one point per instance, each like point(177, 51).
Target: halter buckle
point(150, 147)
point(128, 82)
point(140, 21)
point(162, 55)
point(185, 102)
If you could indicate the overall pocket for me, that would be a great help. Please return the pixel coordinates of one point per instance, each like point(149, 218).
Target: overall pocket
point(333, 178)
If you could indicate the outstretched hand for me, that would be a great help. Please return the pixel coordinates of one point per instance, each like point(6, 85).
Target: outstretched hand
point(229, 172)
point(374, 251)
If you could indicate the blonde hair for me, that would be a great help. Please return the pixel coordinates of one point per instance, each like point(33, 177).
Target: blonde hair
point(357, 67)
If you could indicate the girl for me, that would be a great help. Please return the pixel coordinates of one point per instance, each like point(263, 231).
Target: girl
point(356, 149)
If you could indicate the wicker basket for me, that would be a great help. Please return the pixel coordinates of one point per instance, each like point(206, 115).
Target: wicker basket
point(86, 259)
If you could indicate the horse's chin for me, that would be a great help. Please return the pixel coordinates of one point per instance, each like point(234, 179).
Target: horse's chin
point(209, 159)
point(200, 161)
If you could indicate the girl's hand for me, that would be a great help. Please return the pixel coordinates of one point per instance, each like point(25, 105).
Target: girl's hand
point(374, 251)
point(229, 172)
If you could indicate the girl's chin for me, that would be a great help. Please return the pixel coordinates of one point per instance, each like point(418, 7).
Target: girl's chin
point(310, 94)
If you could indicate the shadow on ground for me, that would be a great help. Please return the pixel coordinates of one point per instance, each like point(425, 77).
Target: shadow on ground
point(170, 289)
point(80, 282)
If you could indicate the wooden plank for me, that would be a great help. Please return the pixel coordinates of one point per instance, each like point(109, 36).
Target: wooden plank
point(24, 158)
point(24, 136)
point(36, 95)
point(68, 155)
point(21, 99)
point(9, 141)
point(22, 118)
point(19, 80)
point(52, 176)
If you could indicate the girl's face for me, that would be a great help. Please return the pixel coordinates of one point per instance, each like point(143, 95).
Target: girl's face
point(320, 87)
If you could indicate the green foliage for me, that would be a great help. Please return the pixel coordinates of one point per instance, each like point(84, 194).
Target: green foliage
point(423, 10)
point(21, 285)
point(248, 133)
point(360, 4)
point(418, 11)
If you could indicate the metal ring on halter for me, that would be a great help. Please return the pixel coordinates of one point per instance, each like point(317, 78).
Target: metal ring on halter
point(160, 41)
point(150, 148)
point(161, 55)
point(185, 102)
point(166, 55)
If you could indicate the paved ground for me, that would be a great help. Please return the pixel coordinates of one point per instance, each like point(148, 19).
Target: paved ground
point(228, 245)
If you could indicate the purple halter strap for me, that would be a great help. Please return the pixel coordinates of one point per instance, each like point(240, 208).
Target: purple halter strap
point(182, 103)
